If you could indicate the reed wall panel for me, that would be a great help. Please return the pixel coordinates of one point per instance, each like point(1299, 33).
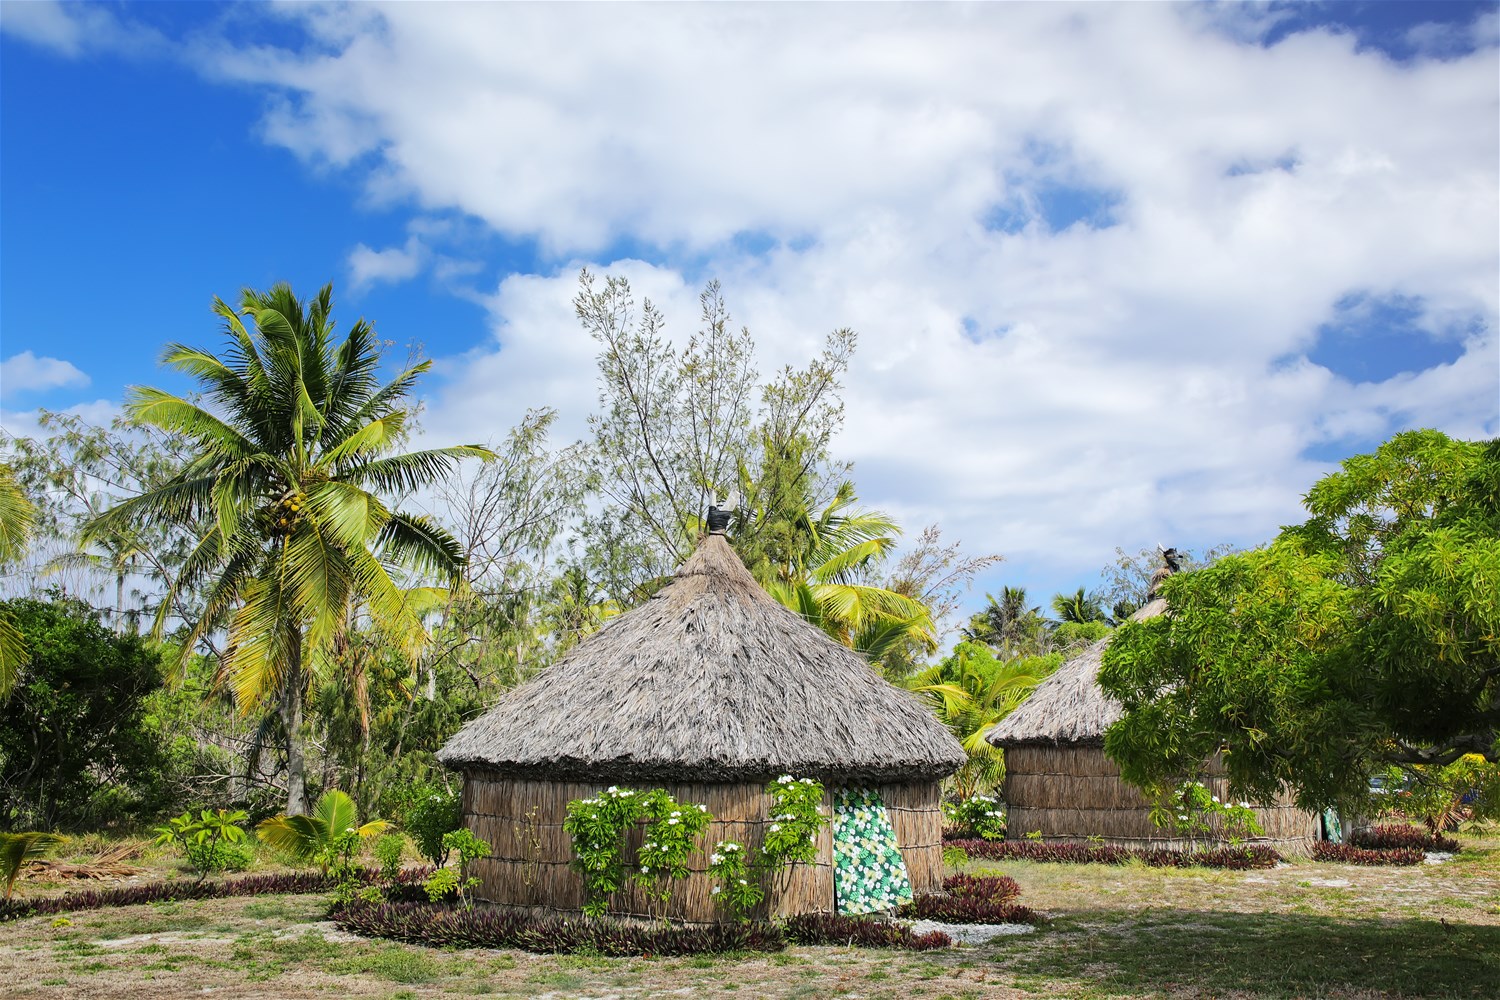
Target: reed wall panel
point(1075, 793)
point(523, 822)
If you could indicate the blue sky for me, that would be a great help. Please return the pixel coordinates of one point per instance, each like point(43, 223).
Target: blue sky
point(1123, 273)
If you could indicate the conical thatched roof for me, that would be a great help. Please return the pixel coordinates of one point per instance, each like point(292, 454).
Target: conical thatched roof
point(1069, 706)
point(710, 680)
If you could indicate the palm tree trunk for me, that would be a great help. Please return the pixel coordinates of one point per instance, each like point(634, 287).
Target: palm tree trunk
point(291, 718)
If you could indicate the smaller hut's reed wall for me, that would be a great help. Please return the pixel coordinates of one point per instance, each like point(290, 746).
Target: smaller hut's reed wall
point(1075, 793)
point(529, 866)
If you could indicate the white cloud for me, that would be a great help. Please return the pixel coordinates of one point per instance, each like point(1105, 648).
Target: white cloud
point(73, 29)
point(393, 264)
point(25, 372)
point(1047, 391)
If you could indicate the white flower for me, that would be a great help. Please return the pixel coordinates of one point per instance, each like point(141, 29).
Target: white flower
point(807, 781)
point(677, 814)
point(731, 847)
point(1244, 805)
point(775, 827)
point(613, 788)
point(714, 859)
point(715, 891)
point(743, 882)
point(703, 809)
point(645, 869)
point(673, 822)
point(785, 779)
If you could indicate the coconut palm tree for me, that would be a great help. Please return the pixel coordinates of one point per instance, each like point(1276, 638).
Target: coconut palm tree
point(821, 572)
point(971, 691)
point(1010, 625)
point(293, 455)
point(313, 837)
point(1078, 608)
point(17, 521)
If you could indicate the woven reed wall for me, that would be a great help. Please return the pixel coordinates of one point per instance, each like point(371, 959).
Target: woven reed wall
point(523, 822)
point(1074, 793)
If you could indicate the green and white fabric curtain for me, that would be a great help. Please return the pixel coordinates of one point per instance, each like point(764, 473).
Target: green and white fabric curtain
point(869, 874)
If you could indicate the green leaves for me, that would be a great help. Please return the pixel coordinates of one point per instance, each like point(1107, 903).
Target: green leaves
point(310, 838)
point(1365, 637)
point(18, 848)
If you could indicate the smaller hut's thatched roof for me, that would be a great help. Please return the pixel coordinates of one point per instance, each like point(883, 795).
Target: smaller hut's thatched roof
point(1069, 707)
point(710, 680)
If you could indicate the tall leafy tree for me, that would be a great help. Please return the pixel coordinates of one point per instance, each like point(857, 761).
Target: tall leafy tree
point(295, 458)
point(678, 429)
point(1364, 638)
point(76, 470)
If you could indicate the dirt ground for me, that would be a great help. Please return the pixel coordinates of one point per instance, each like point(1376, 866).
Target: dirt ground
point(1305, 929)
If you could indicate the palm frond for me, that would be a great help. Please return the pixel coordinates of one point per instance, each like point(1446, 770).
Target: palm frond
point(299, 837)
point(417, 541)
point(12, 655)
point(17, 516)
point(172, 413)
point(413, 470)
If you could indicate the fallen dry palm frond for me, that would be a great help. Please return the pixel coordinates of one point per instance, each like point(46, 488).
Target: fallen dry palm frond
point(109, 864)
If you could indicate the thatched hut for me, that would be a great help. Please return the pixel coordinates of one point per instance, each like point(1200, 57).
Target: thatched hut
point(1059, 782)
point(710, 690)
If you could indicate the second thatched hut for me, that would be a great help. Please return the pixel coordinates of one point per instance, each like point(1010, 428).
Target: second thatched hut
point(710, 690)
point(1059, 783)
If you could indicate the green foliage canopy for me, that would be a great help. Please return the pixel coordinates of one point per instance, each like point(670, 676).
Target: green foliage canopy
point(1366, 637)
point(75, 750)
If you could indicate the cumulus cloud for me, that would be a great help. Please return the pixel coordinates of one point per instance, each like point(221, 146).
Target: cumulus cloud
point(74, 29)
point(1047, 377)
point(25, 372)
point(393, 264)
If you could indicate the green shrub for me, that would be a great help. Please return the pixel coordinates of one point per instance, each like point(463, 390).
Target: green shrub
point(434, 811)
point(219, 857)
point(75, 748)
point(978, 816)
point(388, 851)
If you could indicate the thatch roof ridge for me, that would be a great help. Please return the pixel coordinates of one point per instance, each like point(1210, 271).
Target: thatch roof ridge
point(1069, 706)
point(710, 680)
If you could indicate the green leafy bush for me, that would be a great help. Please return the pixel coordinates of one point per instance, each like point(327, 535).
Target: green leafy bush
point(977, 816)
point(212, 840)
point(433, 812)
point(598, 826)
point(388, 851)
point(75, 749)
point(790, 837)
point(447, 882)
point(212, 859)
point(330, 833)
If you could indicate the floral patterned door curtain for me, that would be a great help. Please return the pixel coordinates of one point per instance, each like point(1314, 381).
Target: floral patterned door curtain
point(869, 874)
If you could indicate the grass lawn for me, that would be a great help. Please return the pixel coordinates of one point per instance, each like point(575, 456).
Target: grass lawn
point(1313, 930)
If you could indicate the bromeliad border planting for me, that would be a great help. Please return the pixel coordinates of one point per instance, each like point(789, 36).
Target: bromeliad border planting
point(286, 883)
point(1239, 858)
point(1350, 855)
